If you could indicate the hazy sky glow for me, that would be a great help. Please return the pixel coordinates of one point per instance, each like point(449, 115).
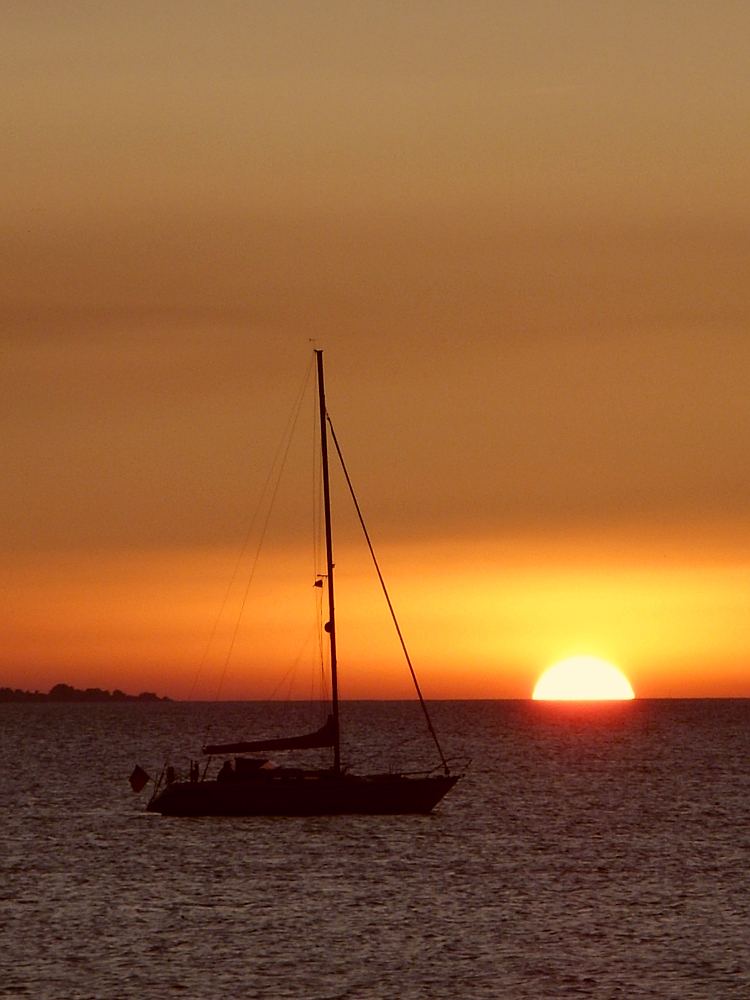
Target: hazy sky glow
point(521, 233)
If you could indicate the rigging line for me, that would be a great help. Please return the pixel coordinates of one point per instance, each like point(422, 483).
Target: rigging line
point(315, 493)
point(265, 528)
point(317, 505)
point(388, 599)
point(319, 557)
point(250, 530)
point(324, 654)
point(305, 644)
point(316, 533)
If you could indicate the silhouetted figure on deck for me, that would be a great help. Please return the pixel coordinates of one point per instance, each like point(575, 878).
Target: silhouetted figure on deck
point(226, 773)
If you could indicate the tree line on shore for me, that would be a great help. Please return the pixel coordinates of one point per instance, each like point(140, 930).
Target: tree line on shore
point(65, 692)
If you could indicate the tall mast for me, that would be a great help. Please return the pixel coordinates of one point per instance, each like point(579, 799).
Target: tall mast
point(331, 625)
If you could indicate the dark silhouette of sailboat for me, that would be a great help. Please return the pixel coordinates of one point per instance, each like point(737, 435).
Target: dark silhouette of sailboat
point(255, 786)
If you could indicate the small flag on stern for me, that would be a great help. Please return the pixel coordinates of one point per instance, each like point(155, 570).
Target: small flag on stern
point(138, 779)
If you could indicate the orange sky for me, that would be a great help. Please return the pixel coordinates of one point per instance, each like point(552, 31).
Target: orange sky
point(521, 232)
point(481, 616)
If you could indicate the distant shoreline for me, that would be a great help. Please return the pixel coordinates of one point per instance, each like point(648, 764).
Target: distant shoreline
point(66, 693)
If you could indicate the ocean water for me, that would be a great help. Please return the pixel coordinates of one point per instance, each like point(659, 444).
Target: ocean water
point(599, 851)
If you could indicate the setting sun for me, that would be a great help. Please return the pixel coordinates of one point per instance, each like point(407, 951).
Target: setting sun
point(583, 678)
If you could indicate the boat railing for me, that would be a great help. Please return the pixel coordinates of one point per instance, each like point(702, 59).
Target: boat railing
point(157, 784)
point(456, 765)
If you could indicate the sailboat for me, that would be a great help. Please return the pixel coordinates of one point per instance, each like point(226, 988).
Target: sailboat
point(257, 786)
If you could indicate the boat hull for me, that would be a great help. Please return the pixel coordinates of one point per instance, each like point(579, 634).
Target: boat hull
point(305, 795)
